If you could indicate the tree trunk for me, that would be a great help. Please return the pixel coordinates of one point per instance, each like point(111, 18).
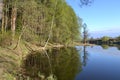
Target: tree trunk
point(2, 16)
point(13, 21)
point(6, 20)
point(2, 28)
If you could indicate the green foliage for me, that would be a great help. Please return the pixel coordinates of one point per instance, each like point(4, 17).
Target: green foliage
point(118, 38)
point(35, 17)
point(105, 38)
point(66, 24)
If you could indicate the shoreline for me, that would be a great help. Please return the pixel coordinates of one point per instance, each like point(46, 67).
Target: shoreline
point(23, 50)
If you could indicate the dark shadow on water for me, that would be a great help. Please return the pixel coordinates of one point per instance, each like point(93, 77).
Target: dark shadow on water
point(65, 64)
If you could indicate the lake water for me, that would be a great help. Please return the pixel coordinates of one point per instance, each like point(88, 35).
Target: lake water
point(79, 63)
point(99, 63)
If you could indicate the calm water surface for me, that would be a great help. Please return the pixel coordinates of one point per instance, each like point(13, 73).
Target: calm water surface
point(99, 63)
point(79, 63)
point(64, 63)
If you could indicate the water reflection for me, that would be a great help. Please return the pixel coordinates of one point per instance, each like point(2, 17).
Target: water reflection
point(65, 64)
point(85, 56)
point(35, 63)
point(118, 47)
point(105, 46)
point(102, 64)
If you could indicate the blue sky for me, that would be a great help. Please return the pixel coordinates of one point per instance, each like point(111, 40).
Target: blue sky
point(102, 17)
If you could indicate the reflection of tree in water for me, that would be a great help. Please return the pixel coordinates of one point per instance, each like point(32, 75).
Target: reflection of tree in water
point(85, 56)
point(118, 47)
point(35, 63)
point(105, 46)
point(65, 64)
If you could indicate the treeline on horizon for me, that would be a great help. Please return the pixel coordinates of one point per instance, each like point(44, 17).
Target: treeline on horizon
point(39, 21)
point(105, 40)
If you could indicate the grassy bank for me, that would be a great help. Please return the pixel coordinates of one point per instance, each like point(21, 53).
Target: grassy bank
point(11, 57)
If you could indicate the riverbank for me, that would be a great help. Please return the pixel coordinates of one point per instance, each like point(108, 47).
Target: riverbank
point(11, 57)
point(55, 45)
point(24, 47)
